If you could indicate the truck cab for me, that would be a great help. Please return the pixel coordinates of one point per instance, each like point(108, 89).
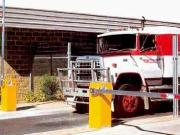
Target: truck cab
point(139, 60)
point(136, 59)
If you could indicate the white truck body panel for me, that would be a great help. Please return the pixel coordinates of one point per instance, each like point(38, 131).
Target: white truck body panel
point(135, 64)
point(168, 67)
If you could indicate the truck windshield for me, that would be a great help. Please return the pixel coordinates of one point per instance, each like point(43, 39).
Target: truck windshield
point(116, 43)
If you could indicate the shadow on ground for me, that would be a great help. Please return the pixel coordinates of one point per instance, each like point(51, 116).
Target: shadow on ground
point(25, 107)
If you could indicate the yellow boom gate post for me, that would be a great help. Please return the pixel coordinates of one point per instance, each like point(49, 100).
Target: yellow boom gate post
point(8, 94)
point(100, 105)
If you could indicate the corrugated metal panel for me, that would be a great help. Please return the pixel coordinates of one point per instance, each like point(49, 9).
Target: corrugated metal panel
point(41, 19)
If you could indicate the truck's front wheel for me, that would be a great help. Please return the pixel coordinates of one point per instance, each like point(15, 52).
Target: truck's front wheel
point(80, 107)
point(127, 106)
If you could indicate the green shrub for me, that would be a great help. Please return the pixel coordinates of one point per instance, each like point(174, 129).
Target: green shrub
point(49, 86)
point(29, 97)
point(37, 96)
point(59, 95)
point(48, 89)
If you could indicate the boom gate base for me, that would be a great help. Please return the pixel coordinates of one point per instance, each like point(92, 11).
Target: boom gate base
point(100, 106)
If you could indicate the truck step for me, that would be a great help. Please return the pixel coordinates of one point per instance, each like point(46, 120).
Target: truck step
point(159, 100)
point(162, 87)
point(79, 102)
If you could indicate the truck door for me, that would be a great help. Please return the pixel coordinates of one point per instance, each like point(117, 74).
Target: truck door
point(149, 61)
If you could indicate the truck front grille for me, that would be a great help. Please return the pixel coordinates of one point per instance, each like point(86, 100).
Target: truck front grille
point(87, 74)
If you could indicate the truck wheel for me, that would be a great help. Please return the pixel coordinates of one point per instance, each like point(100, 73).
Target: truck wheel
point(128, 106)
point(81, 108)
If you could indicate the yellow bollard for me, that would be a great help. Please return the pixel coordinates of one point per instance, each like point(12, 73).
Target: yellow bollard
point(100, 106)
point(8, 95)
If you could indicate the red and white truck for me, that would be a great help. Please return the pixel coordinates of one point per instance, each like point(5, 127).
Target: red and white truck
point(135, 59)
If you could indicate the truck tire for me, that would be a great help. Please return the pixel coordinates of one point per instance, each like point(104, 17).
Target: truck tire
point(81, 108)
point(128, 106)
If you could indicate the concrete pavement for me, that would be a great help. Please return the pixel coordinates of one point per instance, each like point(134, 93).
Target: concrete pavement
point(35, 109)
point(162, 125)
point(49, 118)
point(58, 118)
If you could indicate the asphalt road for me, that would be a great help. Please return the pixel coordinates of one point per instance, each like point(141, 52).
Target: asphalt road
point(63, 120)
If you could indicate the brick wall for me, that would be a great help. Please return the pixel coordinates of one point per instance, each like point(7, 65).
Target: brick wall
point(24, 44)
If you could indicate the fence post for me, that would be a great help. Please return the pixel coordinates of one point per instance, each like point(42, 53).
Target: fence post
point(175, 75)
point(3, 40)
point(69, 59)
